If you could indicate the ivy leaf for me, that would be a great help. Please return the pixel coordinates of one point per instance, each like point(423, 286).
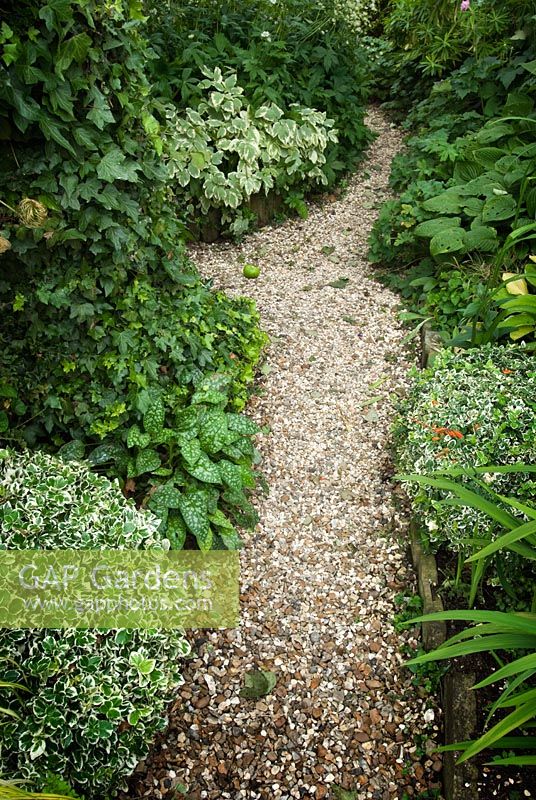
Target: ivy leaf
point(193, 507)
point(52, 131)
point(114, 166)
point(73, 49)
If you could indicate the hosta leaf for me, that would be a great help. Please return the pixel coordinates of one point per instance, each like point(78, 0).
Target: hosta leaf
point(135, 438)
point(242, 424)
point(193, 507)
point(481, 237)
point(146, 461)
point(487, 156)
point(153, 420)
point(465, 171)
point(499, 208)
point(448, 202)
point(434, 226)
point(473, 206)
point(518, 333)
point(517, 286)
point(493, 132)
point(448, 241)
point(517, 321)
point(530, 202)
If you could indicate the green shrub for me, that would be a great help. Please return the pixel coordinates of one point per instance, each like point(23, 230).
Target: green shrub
point(439, 36)
point(95, 699)
point(49, 503)
point(469, 410)
point(223, 151)
point(103, 313)
point(284, 52)
point(148, 394)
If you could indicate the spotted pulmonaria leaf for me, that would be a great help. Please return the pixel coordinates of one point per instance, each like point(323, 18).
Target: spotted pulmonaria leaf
point(175, 531)
point(72, 451)
point(213, 433)
point(194, 509)
point(242, 424)
point(135, 438)
point(167, 496)
point(204, 470)
point(146, 461)
point(153, 420)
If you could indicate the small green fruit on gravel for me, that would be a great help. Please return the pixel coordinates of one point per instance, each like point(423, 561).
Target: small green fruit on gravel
point(251, 271)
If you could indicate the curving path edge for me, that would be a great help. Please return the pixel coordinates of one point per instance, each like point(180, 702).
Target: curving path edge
point(322, 570)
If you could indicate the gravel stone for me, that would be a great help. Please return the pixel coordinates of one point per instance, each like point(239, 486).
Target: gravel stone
point(322, 569)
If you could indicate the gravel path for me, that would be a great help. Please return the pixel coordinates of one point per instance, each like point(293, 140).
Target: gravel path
point(322, 569)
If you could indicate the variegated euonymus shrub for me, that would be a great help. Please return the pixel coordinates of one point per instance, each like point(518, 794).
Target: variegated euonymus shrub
point(225, 150)
point(471, 409)
point(96, 699)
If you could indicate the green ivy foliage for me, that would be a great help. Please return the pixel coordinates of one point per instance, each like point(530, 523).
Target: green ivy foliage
point(79, 121)
point(102, 309)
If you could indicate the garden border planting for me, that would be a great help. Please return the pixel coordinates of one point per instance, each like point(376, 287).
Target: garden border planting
point(458, 700)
